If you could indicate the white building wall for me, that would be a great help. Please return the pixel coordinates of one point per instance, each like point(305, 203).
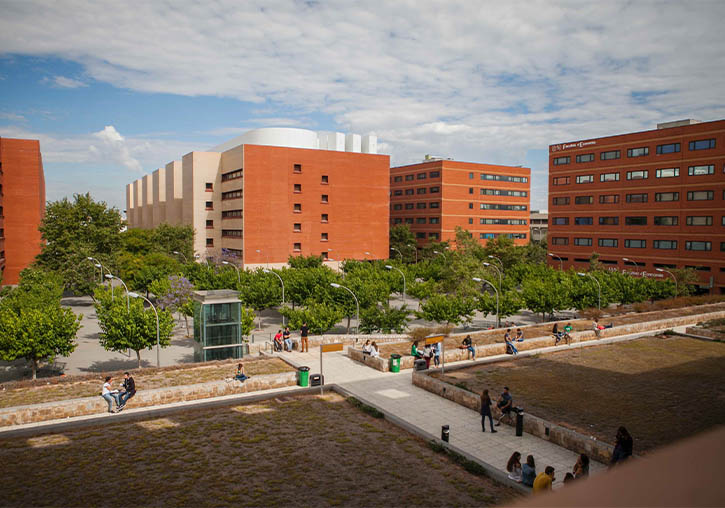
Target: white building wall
point(174, 192)
point(159, 196)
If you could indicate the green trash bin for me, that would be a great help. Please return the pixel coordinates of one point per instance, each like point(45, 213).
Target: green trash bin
point(395, 362)
point(303, 376)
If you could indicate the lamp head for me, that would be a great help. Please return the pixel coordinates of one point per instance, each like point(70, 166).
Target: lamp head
point(550, 255)
point(225, 262)
point(265, 270)
point(477, 279)
point(625, 259)
point(334, 284)
point(388, 267)
point(659, 270)
point(133, 294)
point(89, 258)
point(176, 252)
point(98, 265)
point(486, 264)
point(580, 274)
point(108, 276)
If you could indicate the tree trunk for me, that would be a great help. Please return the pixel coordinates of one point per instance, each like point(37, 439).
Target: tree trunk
point(138, 358)
point(348, 325)
point(186, 320)
point(35, 369)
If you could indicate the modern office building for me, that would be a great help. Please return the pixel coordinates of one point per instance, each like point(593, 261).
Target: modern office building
point(437, 195)
point(539, 225)
point(272, 193)
point(22, 205)
point(656, 198)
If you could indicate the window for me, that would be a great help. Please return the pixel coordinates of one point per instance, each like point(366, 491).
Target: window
point(583, 242)
point(585, 179)
point(667, 196)
point(635, 221)
point(397, 220)
point(297, 208)
point(666, 220)
point(663, 265)
point(421, 190)
point(409, 221)
point(433, 236)
point(584, 200)
point(722, 249)
point(470, 190)
point(700, 195)
point(409, 192)
point(235, 194)
point(323, 237)
point(297, 246)
point(635, 244)
point(470, 176)
point(699, 220)
point(638, 152)
point(560, 240)
point(560, 201)
point(297, 227)
point(232, 175)
point(434, 174)
point(637, 175)
point(397, 178)
point(435, 204)
point(702, 144)
point(486, 236)
point(698, 246)
point(607, 156)
point(298, 188)
point(232, 214)
point(420, 206)
point(637, 198)
point(420, 235)
point(209, 205)
point(324, 198)
point(558, 161)
point(422, 176)
point(409, 178)
point(560, 180)
point(587, 157)
point(496, 206)
point(325, 180)
point(208, 187)
point(699, 268)
point(409, 206)
point(668, 148)
point(508, 222)
point(583, 221)
point(608, 221)
point(324, 218)
point(608, 242)
point(297, 168)
point(560, 221)
point(665, 244)
point(500, 192)
point(608, 199)
point(420, 220)
point(210, 242)
point(325, 255)
point(209, 224)
point(397, 207)
point(609, 177)
point(397, 192)
point(470, 220)
point(470, 206)
point(437, 220)
point(504, 178)
point(433, 190)
point(701, 170)
point(667, 172)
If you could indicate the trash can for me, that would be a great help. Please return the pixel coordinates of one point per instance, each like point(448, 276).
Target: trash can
point(303, 376)
point(395, 362)
point(519, 421)
point(445, 433)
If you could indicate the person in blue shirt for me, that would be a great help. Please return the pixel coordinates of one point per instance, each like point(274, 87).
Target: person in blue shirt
point(505, 404)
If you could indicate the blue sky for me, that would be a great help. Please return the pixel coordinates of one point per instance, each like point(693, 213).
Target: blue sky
point(116, 89)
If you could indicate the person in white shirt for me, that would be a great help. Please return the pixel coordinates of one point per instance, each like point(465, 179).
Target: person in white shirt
point(110, 395)
point(366, 348)
point(374, 352)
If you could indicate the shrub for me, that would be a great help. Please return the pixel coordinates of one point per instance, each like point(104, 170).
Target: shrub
point(641, 307)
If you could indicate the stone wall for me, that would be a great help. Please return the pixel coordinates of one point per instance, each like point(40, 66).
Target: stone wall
point(316, 340)
point(705, 333)
point(91, 405)
point(381, 364)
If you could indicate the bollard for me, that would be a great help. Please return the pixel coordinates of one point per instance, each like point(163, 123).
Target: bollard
point(519, 422)
point(445, 433)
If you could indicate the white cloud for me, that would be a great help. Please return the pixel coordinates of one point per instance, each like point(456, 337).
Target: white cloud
point(64, 82)
point(114, 146)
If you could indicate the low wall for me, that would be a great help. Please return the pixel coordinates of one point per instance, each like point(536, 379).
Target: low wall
point(578, 443)
point(381, 364)
point(316, 340)
point(91, 405)
point(704, 332)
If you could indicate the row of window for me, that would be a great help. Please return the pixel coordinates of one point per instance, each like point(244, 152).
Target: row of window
point(418, 220)
point(232, 194)
point(514, 236)
point(297, 207)
point(419, 190)
point(636, 198)
point(419, 206)
point(658, 220)
point(419, 176)
point(232, 175)
point(500, 178)
point(420, 235)
point(700, 144)
point(637, 243)
point(701, 170)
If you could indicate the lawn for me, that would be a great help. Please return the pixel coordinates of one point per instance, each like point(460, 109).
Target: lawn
point(26, 392)
point(289, 451)
point(661, 388)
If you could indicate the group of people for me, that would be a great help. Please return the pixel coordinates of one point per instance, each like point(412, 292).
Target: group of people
point(562, 335)
point(120, 397)
point(283, 339)
point(526, 473)
point(371, 349)
point(504, 407)
point(429, 352)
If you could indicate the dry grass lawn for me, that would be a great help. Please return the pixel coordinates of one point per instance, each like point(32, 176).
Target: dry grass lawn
point(293, 451)
point(146, 379)
point(661, 388)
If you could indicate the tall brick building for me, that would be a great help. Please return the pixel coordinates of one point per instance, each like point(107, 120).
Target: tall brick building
point(272, 193)
point(655, 197)
point(435, 196)
point(22, 205)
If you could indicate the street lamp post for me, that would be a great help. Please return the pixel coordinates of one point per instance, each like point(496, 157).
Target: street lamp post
point(391, 267)
point(497, 259)
point(182, 255)
point(500, 286)
point(599, 287)
point(441, 253)
point(415, 249)
point(636, 266)
point(400, 253)
point(266, 255)
point(672, 274)
point(111, 277)
point(281, 282)
point(239, 277)
point(158, 341)
point(478, 279)
point(561, 262)
point(357, 304)
point(97, 264)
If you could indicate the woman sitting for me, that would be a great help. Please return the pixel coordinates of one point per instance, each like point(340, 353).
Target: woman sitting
point(414, 350)
point(528, 472)
point(241, 376)
point(374, 351)
point(366, 347)
point(514, 467)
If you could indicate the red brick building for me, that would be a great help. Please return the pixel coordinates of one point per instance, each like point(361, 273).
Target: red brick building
point(435, 196)
point(655, 197)
point(22, 205)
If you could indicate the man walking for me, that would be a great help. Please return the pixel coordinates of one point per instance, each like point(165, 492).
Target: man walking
point(129, 390)
point(305, 346)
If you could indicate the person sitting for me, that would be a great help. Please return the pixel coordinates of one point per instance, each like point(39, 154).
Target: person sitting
point(581, 468)
point(514, 467)
point(567, 333)
point(414, 350)
point(129, 390)
point(597, 328)
point(568, 477)
point(427, 355)
point(241, 376)
point(556, 333)
point(543, 481)
point(528, 472)
point(519, 335)
point(468, 344)
point(374, 351)
point(287, 339)
point(510, 348)
point(622, 447)
point(504, 404)
point(366, 347)
point(278, 341)
point(110, 395)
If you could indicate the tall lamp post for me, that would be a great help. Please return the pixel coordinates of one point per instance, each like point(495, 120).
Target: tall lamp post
point(239, 277)
point(357, 304)
point(500, 274)
point(478, 279)
point(399, 253)
point(111, 277)
point(441, 253)
point(158, 341)
point(266, 270)
point(662, 270)
point(599, 287)
point(561, 262)
point(97, 264)
point(497, 259)
point(391, 267)
point(636, 266)
point(182, 255)
point(415, 249)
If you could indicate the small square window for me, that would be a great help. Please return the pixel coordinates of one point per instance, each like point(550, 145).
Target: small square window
point(324, 198)
point(298, 207)
point(297, 227)
point(210, 242)
point(323, 237)
point(324, 255)
point(297, 246)
point(323, 217)
point(470, 220)
point(470, 176)
point(209, 205)
point(209, 186)
point(470, 190)
point(470, 205)
point(297, 168)
point(324, 179)
point(298, 188)
point(209, 224)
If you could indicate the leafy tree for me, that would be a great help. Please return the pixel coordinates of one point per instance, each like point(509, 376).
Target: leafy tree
point(509, 303)
point(174, 294)
point(403, 239)
point(260, 291)
point(246, 320)
point(447, 309)
point(169, 239)
point(319, 317)
point(73, 231)
point(139, 272)
point(687, 279)
point(544, 295)
point(137, 241)
point(383, 318)
point(304, 262)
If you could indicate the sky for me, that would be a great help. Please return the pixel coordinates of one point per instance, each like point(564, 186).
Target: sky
point(114, 90)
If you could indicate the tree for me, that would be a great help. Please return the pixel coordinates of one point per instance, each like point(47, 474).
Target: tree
point(174, 294)
point(73, 231)
point(544, 295)
point(509, 303)
point(246, 320)
point(138, 272)
point(402, 238)
point(304, 262)
point(447, 309)
point(260, 291)
point(133, 329)
point(319, 317)
point(169, 239)
point(383, 318)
